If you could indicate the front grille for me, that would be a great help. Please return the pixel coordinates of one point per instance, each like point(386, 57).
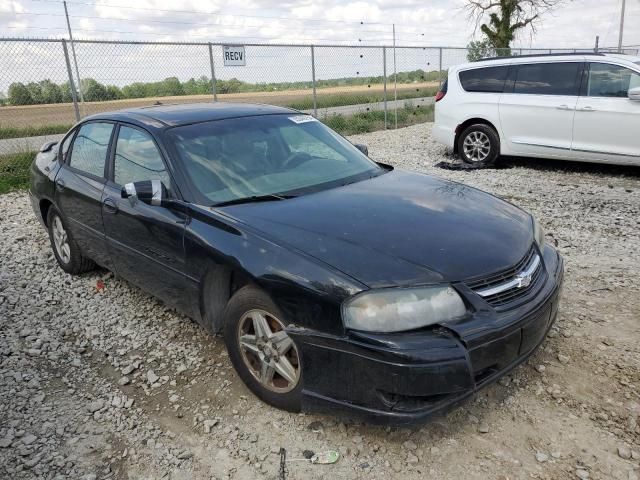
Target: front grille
point(502, 288)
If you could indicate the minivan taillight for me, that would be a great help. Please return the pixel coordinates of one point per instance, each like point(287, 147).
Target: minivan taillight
point(443, 90)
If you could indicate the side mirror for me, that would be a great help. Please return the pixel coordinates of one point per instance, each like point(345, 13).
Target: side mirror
point(634, 94)
point(151, 192)
point(363, 148)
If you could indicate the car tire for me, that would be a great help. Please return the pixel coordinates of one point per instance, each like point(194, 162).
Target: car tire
point(270, 368)
point(479, 145)
point(65, 249)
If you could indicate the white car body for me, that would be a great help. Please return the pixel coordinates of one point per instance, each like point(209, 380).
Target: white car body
point(587, 125)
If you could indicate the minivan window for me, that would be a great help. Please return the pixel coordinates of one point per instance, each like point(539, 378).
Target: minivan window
point(487, 80)
point(548, 79)
point(606, 80)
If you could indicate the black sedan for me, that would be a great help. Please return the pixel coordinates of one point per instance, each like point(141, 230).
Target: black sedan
point(340, 283)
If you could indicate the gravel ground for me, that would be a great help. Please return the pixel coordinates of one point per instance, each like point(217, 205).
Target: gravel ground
point(99, 380)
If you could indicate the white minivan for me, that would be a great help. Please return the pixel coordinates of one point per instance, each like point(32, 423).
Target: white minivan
point(583, 107)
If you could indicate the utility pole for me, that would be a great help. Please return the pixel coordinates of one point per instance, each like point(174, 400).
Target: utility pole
point(597, 44)
point(395, 78)
point(621, 26)
point(73, 53)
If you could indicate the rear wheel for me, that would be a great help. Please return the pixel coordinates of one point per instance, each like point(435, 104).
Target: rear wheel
point(65, 249)
point(265, 357)
point(479, 145)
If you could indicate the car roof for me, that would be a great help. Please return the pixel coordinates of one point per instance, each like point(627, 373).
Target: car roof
point(162, 116)
point(548, 58)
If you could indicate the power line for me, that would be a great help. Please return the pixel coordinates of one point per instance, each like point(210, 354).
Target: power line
point(177, 22)
point(211, 36)
point(201, 12)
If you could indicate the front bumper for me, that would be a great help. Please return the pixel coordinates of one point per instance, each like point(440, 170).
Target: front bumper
point(406, 378)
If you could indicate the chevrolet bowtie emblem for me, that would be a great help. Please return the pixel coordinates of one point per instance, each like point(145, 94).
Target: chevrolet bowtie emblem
point(523, 280)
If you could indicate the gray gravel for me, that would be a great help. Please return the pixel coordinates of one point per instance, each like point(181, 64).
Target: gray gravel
point(109, 383)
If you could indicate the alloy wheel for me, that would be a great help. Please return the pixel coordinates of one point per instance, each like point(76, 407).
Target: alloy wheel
point(61, 240)
point(477, 146)
point(268, 352)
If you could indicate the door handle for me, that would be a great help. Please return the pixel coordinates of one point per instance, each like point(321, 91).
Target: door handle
point(587, 109)
point(60, 184)
point(563, 107)
point(109, 205)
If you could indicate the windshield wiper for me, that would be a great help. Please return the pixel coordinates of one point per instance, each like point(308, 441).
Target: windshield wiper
point(254, 198)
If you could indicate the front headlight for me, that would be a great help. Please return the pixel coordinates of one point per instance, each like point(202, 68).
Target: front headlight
point(538, 234)
point(399, 309)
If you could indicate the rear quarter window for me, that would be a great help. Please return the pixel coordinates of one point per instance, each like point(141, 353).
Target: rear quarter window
point(487, 80)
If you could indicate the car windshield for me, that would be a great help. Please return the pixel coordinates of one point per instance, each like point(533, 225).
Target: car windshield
point(268, 155)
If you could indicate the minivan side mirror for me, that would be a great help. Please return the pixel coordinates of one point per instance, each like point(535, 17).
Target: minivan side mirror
point(634, 94)
point(151, 192)
point(363, 148)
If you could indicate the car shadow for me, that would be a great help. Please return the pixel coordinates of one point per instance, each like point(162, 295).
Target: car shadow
point(547, 164)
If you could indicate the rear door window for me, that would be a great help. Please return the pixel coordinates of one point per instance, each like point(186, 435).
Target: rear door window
point(90, 147)
point(607, 80)
point(548, 78)
point(487, 80)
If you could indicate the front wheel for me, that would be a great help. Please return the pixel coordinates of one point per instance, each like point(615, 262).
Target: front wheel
point(265, 357)
point(479, 145)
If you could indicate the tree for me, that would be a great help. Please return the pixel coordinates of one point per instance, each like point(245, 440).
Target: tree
point(506, 18)
point(113, 93)
point(93, 90)
point(479, 49)
point(51, 92)
point(35, 91)
point(19, 94)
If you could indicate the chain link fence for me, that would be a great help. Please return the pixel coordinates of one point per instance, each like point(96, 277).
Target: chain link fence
point(48, 85)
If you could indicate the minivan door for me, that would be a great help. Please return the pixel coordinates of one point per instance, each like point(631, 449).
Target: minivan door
point(538, 106)
point(607, 121)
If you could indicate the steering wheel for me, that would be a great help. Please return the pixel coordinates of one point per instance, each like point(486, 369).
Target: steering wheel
point(296, 159)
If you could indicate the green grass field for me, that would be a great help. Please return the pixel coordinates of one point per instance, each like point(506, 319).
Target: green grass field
point(17, 132)
point(14, 171)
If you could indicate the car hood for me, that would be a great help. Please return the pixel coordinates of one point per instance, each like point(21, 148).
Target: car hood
point(398, 229)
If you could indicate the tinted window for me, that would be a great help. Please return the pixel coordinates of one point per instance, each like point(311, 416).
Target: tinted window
point(490, 79)
point(137, 158)
point(611, 80)
point(90, 148)
point(548, 79)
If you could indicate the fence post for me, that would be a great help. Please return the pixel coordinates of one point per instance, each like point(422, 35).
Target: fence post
point(71, 82)
point(384, 76)
point(213, 74)
point(313, 80)
point(440, 66)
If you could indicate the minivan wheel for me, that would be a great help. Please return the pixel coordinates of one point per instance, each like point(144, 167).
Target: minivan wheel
point(479, 145)
point(265, 357)
point(65, 249)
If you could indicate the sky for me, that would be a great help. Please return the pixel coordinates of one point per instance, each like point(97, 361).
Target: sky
point(575, 23)
point(426, 23)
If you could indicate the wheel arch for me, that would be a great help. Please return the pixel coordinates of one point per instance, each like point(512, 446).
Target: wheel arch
point(45, 205)
point(217, 287)
point(473, 121)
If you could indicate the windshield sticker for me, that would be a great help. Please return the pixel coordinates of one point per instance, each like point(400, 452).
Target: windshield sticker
point(302, 119)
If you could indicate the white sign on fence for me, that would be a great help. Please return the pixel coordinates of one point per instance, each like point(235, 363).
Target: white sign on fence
point(234, 56)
